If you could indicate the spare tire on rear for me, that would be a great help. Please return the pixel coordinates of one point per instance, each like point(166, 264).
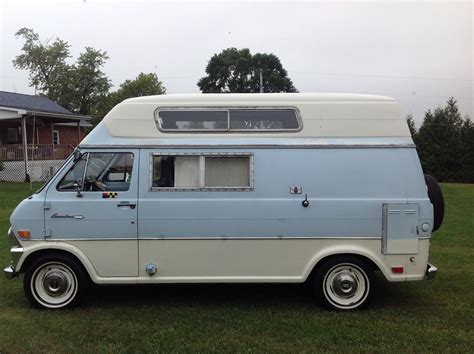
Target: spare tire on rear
point(436, 197)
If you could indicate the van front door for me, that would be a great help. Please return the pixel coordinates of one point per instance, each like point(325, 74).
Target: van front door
point(93, 206)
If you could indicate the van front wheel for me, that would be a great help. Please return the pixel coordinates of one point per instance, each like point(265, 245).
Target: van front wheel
point(344, 283)
point(54, 282)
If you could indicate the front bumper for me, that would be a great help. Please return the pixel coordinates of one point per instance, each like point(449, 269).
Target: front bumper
point(10, 272)
point(431, 271)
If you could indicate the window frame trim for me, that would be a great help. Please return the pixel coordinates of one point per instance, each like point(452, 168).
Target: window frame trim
point(229, 130)
point(202, 156)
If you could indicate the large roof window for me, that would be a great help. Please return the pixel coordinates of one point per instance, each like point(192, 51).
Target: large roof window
point(227, 119)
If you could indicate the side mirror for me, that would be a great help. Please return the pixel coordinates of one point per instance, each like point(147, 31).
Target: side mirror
point(78, 186)
point(77, 155)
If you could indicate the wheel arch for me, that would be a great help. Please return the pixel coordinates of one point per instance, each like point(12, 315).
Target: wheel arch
point(63, 249)
point(327, 254)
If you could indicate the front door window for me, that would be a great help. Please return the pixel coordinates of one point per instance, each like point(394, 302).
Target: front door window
point(99, 172)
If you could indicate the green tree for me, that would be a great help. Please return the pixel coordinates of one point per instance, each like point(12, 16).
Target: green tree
point(235, 70)
point(45, 61)
point(78, 87)
point(467, 152)
point(88, 85)
point(142, 85)
point(439, 142)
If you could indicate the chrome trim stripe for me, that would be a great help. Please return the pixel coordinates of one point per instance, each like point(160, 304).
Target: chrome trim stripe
point(221, 238)
point(253, 146)
point(424, 238)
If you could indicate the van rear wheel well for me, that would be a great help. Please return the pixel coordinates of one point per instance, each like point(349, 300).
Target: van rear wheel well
point(326, 259)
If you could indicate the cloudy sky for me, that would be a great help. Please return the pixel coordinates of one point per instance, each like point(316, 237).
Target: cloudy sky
point(421, 53)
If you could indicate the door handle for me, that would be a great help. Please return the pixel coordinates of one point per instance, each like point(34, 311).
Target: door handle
point(127, 204)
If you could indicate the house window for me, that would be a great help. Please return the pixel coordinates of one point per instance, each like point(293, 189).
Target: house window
point(227, 119)
point(56, 137)
point(198, 172)
point(12, 136)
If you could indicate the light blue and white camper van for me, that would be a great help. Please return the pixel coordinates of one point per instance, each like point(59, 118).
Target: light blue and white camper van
point(227, 188)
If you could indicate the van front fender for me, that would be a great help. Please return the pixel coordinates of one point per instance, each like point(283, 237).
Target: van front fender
point(34, 248)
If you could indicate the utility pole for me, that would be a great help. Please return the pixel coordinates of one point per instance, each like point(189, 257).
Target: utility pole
point(261, 81)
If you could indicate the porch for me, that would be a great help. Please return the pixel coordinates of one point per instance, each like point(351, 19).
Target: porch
point(15, 152)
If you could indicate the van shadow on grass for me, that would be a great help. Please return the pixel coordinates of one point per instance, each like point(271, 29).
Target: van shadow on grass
point(255, 295)
point(200, 294)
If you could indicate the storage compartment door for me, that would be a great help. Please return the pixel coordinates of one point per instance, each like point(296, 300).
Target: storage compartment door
point(400, 228)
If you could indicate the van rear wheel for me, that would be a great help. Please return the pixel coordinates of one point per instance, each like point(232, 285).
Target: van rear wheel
point(54, 282)
point(344, 283)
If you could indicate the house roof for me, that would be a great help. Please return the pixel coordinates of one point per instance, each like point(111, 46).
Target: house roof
point(31, 103)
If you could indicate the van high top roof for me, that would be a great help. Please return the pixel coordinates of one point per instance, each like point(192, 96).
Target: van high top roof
point(328, 117)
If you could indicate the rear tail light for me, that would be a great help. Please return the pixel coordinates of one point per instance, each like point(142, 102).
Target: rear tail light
point(397, 270)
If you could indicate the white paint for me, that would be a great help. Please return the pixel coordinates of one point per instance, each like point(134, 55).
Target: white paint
point(224, 261)
point(323, 115)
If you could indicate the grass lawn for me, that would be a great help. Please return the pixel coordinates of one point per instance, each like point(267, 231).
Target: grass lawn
point(436, 316)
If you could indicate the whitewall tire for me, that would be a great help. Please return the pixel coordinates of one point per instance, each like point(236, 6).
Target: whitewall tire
point(344, 283)
point(54, 282)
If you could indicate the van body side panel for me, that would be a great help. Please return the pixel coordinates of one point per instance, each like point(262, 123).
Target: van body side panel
point(346, 189)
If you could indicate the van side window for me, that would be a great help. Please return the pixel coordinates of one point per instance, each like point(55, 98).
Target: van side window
point(176, 171)
point(227, 171)
point(263, 119)
point(100, 172)
point(221, 172)
point(227, 119)
point(194, 120)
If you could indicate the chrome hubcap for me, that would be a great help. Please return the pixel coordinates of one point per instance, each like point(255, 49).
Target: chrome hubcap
point(345, 284)
point(55, 283)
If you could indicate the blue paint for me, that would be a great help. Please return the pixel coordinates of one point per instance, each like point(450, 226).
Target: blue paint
point(346, 189)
